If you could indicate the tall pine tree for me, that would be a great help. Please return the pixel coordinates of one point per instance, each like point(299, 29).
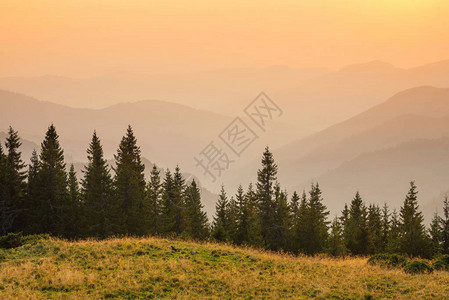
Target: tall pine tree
point(413, 235)
point(356, 234)
point(15, 181)
point(97, 193)
point(129, 184)
point(52, 192)
point(196, 226)
point(33, 193)
point(220, 226)
point(154, 195)
point(266, 180)
point(4, 222)
point(73, 218)
point(435, 233)
point(316, 232)
point(445, 227)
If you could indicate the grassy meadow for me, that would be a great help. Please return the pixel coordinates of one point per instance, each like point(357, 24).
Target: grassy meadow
point(129, 268)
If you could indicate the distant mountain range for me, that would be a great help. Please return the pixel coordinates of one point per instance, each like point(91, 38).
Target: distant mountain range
point(312, 99)
point(377, 151)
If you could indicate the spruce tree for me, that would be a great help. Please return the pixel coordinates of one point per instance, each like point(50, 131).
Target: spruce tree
point(300, 226)
point(344, 216)
point(266, 179)
point(294, 205)
point(254, 227)
point(356, 235)
point(316, 232)
point(220, 223)
point(129, 186)
point(232, 219)
point(374, 222)
point(15, 184)
point(52, 192)
point(435, 233)
point(445, 227)
point(154, 195)
point(196, 226)
point(178, 200)
point(336, 245)
point(73, 219)
point(282, 221)
point(33, 193)
point(413, 235)
point(97, 193)
point(385, 228)
point(168, 209)
point(393, 244)
point(243, 217)
point(4, 222)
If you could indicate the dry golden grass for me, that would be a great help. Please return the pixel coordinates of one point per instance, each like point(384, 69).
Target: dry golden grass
point(147, 268)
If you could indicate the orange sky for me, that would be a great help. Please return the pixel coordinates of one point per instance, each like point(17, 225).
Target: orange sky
point(92, 37)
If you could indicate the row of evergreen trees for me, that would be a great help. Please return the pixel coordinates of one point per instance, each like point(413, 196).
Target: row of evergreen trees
point(263, 217)
point(48, 199)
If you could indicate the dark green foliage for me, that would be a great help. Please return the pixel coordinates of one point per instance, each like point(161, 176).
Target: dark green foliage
point(385, 228)
point(232, 219)
point(32, 194)
point(356, 232)
point(441, 263)
point(129, 186)
point(11, 240)
point(195, 219)
point(220, 225)
point(445, 227)
point(52, 202)
point(154, 195)
point(299, 226)
point(52, 192)
point(418, 266)
point(3, 208)
point(388, 260)
point(266, 180)
point(435, 232)
point(72, 218)
point(336, 247)
point(316, 224)
point(393, 245)
point(282, 220)
point(374, 222)
point(178, 200)
point(168, 207)
point(97, 193)
point(254, 226)
point(14, 189)
point(413, 236)
point(14, 240)
point(243, 217)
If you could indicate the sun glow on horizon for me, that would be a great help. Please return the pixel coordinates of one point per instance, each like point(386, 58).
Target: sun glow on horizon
point(93, 37)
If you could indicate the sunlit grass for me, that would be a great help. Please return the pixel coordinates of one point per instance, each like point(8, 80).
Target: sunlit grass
point(147, 267)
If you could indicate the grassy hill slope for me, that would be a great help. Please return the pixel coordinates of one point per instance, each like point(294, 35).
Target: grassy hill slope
point(148, 268)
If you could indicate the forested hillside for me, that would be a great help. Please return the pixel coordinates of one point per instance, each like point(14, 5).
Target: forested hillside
point(47, 197)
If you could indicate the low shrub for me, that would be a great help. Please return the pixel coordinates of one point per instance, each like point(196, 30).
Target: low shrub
point(418, 266)
point(14, 240)
point(11, 240)
point(388, 260)
point(441, 263)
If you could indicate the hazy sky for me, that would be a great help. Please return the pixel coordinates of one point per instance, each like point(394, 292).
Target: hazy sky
point(92, 37)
